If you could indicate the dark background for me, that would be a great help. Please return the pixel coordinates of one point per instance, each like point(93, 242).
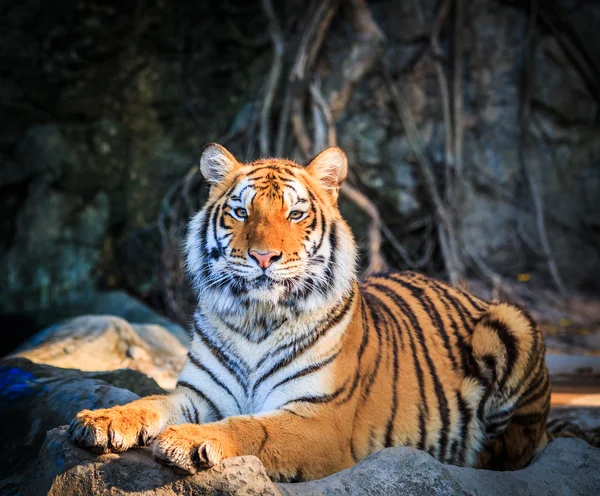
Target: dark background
point(471, 127)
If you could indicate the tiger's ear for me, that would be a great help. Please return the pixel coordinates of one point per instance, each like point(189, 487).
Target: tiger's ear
point(330, 167)
point(216, 163)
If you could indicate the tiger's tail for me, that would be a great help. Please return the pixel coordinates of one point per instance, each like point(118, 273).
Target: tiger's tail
point(558, 428)
point(509, 350)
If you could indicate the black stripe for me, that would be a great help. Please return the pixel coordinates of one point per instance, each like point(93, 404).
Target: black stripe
point(199, 393)
point(509, 342)
point(429, 307)
point(535, 363)
point(479, 305)
point(216, 215)
point(281, 168)
point(464, 348)
point(539, 376)
point(529, 418)
point(231, 364)
point(394, 405)
point(423, 413)
point(186, 413)
point(202, 243)
point(465, 417)
point(196, 414)
point(308, 370)
point(500, 414)
point(529, 380)
point(437, 386)
point(390, 314)
point(372, 301)
point(495, 428)
point(293, 413)
point(422, 430)
point(215, 379)
point(323, 398)
point(490, 363)
point(300, 345)
point(323, 229)
point(462, 311)
point(543, 390)
point(365, 328)
point(453, 458)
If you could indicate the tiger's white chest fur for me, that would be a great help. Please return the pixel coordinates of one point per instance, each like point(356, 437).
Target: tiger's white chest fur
point(243, 371)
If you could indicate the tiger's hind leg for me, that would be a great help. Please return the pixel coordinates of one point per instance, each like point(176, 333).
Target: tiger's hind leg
point(509, 350)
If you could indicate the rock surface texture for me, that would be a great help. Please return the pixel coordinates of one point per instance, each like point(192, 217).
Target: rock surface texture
point(91, 149)
point(63, 468)
point(36, 398)
point(102, 343)
point(565, 467)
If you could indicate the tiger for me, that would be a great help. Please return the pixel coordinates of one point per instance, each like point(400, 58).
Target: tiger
point(296, 361)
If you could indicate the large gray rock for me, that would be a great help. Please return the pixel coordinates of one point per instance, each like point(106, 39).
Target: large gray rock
point(57, 243)
point(103, 343)
point(36, 398)
point(63, 468)
point(565, 467)
point(114, 303)
point(497, 218)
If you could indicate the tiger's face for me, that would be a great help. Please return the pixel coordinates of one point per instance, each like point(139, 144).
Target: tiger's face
point(271, 232)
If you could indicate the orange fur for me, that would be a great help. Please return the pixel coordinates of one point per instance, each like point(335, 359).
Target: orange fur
point(415, 362)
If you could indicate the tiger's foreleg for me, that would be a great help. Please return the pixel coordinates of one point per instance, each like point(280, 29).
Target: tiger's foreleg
point(119, 428)
point(290, 445)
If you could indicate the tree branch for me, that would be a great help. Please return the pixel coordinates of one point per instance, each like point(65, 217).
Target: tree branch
point(524, 126)
point(274, 76)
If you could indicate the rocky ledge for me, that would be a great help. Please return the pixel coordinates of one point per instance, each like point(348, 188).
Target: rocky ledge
point(39, 398)
point(565, 467)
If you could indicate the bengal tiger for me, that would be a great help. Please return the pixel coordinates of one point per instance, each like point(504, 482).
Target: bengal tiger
point(297, 362)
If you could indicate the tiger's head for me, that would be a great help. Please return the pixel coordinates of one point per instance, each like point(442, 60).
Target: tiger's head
point(271, 234)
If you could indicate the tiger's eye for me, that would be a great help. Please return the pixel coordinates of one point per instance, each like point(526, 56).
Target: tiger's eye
point(241, 212)
point(296, 214)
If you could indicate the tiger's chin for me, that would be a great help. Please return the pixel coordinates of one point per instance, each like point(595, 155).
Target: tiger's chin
point(265, 289)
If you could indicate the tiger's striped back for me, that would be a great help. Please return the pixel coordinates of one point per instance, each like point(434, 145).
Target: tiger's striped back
point(452, 368)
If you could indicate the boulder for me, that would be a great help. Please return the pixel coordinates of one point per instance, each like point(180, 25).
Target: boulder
point(63, 468)
point(36, 398)
point(564, 467)
point(115, 303)
point(104, 343)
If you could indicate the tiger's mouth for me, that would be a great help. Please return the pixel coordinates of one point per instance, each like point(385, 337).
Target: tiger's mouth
point(263, 282)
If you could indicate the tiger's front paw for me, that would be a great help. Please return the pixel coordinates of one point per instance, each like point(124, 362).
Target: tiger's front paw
point(109, 430)
point(189, 448)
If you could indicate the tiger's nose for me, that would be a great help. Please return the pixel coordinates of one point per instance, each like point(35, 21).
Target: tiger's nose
point(264, 259)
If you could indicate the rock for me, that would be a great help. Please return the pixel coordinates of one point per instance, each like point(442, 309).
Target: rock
point(63, 468)
point(104, 343)
point(57, 244)
point(362, 138)
point(115, 303)
point(565, 467)
point(403, 183)
point(36, 398)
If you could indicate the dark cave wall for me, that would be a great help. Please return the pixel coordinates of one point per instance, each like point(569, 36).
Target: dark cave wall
point(105, 104)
